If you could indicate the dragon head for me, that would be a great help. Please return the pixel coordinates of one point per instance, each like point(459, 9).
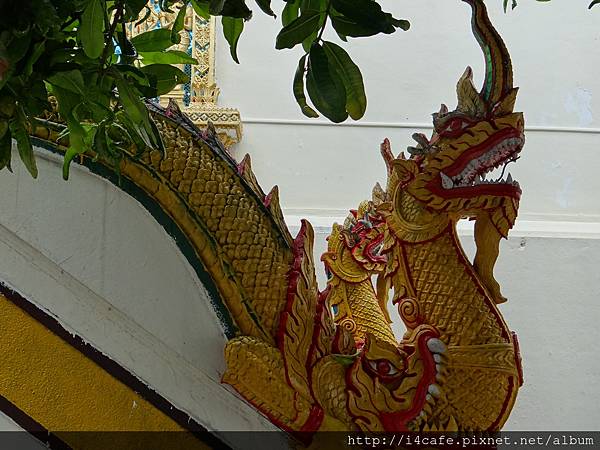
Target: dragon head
point(451, 175)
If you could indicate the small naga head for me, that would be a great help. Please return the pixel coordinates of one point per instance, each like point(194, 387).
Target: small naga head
point(452, 175)
point(390, 387)
point(365, 235)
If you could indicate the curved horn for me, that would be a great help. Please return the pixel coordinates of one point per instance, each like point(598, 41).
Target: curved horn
point(498, 68)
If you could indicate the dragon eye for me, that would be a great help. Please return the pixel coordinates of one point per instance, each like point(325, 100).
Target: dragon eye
point(383, 367)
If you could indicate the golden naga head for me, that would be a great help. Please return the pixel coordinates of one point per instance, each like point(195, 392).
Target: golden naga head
point(461, 170)
point(391, 387)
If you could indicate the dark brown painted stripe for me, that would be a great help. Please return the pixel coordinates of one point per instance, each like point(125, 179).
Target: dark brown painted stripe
point(29, 424)
point(114, 369)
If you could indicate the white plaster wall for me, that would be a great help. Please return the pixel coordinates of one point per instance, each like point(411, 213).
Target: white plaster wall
point(324, 167)
point(94, 258)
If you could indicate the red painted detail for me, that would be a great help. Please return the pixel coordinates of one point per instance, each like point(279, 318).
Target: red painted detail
point(375, 258)
point(475, 152)
point(455, 126)
point(268, 198)
point(386, 152)
point(317, 328)
point(435, 185)
point(241, 167)
point(314, 419)
point(505, 405)
point(316, 416)
point(293, 275)
point(398, 421)
point(518, 360)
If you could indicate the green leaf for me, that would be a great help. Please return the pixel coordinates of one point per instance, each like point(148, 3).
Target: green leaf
point(232, 29)
point(594, 3)
point(3, 128)
point(131, 102)
point(265, 5)
point(299, 90)
point(168, 57)
point(201, 8)
point(137, 112)
point(18, 48)
point(404, 25)
point(290, 12)
point(368, 14)
point(71, 81)
point(308, 42)
point(133, 8)
point(38, 50)
point(298, 30)
point(91, 29)
point(18, 130)
point(313, 5)
point(237, 9)
point(215, 6)
point(356, 100)
point(346, 360)
point(347, 27)
point(178, 25)
point(67, 103)
point(325, 88)
point(514, 4)
point(153, 40)
point(164, 77)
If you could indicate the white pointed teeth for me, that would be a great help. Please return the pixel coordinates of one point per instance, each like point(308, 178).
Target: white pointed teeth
point(474, 173)
point(436, 346)
point(434, 390)
point(447, 182)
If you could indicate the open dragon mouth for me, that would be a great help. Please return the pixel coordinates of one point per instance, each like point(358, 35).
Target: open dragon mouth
point(482, 169)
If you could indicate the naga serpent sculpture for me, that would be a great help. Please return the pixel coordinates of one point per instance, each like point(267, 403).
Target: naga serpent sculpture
point(317, 361)
point(333, 362)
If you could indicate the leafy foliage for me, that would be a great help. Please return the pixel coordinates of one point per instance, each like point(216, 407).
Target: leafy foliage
point(66, 50)
point(333, 81)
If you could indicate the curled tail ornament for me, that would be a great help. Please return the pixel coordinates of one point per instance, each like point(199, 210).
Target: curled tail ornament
point(498, 67)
